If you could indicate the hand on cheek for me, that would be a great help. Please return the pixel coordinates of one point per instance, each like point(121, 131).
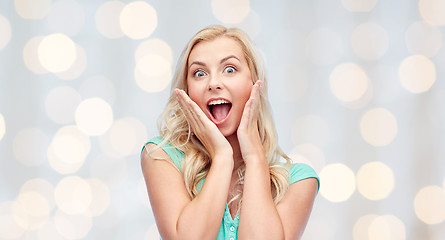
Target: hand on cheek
point(248, 135)
point(204, 129)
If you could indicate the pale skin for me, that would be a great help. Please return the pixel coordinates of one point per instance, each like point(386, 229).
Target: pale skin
point(218, 69)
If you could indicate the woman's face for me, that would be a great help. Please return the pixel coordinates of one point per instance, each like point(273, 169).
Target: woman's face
point(219, 81)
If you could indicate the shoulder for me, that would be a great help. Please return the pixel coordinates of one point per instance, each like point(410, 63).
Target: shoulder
point(158, 149)
point(301, 171)
point(296, 205)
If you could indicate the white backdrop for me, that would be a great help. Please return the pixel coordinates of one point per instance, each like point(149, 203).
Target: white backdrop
point(357, 90)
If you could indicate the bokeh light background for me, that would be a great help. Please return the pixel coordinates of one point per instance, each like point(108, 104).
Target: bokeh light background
point(357, 90)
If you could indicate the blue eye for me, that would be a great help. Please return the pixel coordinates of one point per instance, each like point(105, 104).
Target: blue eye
point(229, 69)
point(199, 73)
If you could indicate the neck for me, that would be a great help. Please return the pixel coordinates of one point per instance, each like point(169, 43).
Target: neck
point(237, 157)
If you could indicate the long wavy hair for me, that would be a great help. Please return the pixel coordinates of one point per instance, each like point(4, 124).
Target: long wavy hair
point(175, 129)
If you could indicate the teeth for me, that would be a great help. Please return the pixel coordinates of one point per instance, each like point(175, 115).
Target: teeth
point(219, 101)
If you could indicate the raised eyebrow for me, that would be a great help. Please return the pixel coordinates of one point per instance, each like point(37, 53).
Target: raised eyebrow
point(229, 57)
point(197, 63)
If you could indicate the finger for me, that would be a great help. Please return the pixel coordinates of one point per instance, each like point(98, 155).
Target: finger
point(185, 108)
point(256, 91)
point(256, 106)
point(246, 117)
point(182, 103)
point(253, 104)
point(195, 111)
point(253, 92)
point(195, 115)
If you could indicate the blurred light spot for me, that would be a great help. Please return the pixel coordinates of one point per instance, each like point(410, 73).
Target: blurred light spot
point(433, 11)
point(348, 82)
point(36, 209)
point(310, 129)
point(324, 46)
point(73, 195)
point(29, 146)
point(77, 68)
point(138, 20)
point(107, 19)
point(152, 233)
point(338, 182)
point(66, 16)
point(298, 158)
point(41, 186)
point(64, 144)
point(153, 65)
point(359, 6)
point(370, 41)
point(48, 231)
point(251, 24)
point(9, 229)
point(155, 47)
point(378, 127)
point(5, 32)
point(429, 204)
point(68, 150)
point(18, 213)
point(94, 116)
point(100, 200)
point(61, 103)
point(152, 73)
point(2, 126)
point(154, 59)
point(57, 52)
point(375, 180)
point(309, 154)
point(126, 136)
point(361, 227)
point(230, 11)
point(31, 56)
point(417, 73)
point(107, 147)
point(422, 38)
point(72, 226)
point(363, 101)
point(98, 86)
point(387, 227)
point(32, 9)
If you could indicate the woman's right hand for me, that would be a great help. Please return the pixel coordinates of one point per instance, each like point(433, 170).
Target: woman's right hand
point(204, 129)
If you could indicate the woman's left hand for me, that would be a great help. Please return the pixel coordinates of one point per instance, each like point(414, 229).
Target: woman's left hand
point(248, 135)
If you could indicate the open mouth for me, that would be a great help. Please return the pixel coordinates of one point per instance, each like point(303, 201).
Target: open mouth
point(220, 109)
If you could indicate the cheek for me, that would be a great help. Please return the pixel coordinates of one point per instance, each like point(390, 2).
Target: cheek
point(245, 90)
point(195, 93)
point(243, 95)
point(192, 94)
point(192, 91)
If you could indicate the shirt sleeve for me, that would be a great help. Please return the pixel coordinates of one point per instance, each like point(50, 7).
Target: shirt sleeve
point(175, 154)
point(300, 171)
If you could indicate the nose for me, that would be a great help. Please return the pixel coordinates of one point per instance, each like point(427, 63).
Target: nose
point(215, 83)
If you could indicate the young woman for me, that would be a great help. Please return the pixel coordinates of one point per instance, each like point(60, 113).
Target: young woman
point(215, 172)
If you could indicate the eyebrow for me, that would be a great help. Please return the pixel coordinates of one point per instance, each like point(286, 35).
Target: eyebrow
point(229, 57)
point(222, 60)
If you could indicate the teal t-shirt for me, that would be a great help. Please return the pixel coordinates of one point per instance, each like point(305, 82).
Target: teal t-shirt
point(229, 226)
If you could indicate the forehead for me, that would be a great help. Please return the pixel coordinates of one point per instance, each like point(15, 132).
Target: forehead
point(217, 48)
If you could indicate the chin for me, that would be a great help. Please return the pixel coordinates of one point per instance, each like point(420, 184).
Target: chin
point(227, 132)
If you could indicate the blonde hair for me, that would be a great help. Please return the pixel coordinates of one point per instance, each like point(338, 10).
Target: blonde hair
point(174, 128)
